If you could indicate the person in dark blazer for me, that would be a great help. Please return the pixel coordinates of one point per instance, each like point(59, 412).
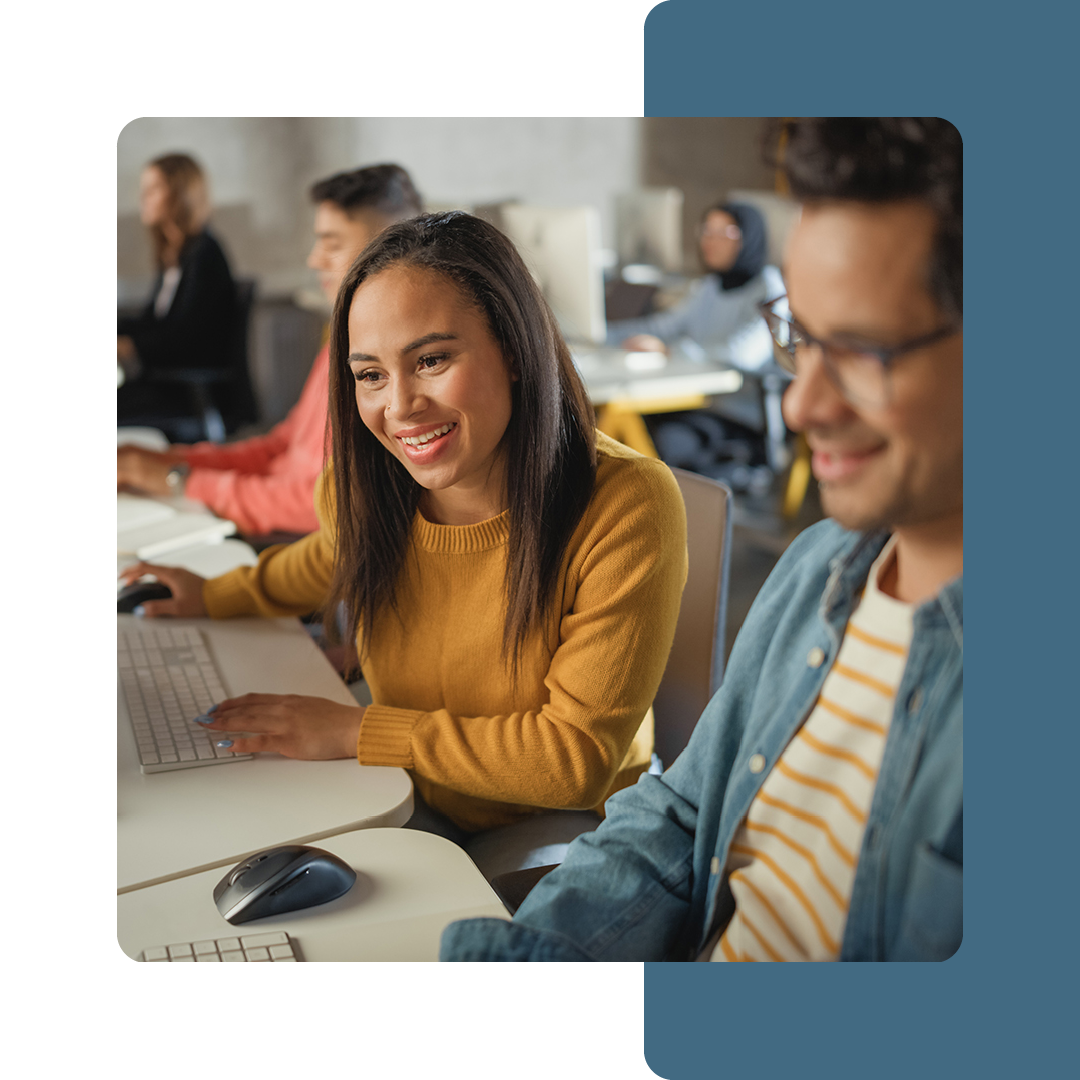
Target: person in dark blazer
point(189, 319)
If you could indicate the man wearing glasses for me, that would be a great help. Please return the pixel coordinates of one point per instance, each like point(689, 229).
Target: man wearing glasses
point(817, 813)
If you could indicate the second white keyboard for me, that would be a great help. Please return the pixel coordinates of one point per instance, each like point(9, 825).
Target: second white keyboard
point(274, 947)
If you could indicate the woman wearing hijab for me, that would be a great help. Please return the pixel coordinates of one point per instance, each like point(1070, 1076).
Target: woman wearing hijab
point(721, 313)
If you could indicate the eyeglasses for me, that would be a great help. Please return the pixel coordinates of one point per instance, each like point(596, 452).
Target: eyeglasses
point(731, 232)
point(860, 372)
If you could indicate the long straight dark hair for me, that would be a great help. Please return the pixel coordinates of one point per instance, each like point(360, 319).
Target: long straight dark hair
point(549, 444)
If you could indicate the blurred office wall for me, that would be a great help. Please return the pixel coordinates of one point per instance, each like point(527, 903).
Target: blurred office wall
point(705, 156)
point(261, 167)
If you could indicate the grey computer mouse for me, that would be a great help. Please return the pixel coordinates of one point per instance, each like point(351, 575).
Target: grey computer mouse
point(282, 879)
point(131, 596)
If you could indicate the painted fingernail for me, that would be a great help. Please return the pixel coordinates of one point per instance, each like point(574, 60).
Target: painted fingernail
point(211, 709)
point(204, 719)
point(140, 610)
point(224, 744)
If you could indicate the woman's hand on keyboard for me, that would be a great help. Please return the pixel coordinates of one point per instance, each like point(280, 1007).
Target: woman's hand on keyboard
point(311, 728)
point(186, 600)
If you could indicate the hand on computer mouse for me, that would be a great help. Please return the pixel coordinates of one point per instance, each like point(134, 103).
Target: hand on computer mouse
point(136, 595)
point(294, 725)
point(186, 588)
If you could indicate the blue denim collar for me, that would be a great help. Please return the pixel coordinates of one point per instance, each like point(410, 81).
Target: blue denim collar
point(848, 571)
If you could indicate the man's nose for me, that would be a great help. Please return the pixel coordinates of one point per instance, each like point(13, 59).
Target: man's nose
point(812, 400)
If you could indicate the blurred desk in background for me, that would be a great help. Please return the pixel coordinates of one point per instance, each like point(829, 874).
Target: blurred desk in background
point(624, 386)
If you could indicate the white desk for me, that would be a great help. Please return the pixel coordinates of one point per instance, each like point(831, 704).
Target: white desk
point(176, 823)
point(409, 886)
point(612, 374)
point(624, 385)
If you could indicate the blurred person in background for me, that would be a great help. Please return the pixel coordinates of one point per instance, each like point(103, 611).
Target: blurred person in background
point(266, 484)
point(721, 310)
point(189, 318)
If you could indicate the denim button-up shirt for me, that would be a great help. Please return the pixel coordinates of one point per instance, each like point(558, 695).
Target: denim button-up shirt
point(651, 882)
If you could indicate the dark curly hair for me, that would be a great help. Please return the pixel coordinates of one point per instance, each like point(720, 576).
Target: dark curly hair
point(883, 159)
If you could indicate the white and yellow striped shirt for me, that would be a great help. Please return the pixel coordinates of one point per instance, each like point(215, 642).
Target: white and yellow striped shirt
point(792, 862)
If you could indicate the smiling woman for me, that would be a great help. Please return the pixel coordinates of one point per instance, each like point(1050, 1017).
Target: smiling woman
point(439, 401)
point(512, 578)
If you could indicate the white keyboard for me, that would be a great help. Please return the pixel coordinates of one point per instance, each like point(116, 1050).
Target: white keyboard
point(249, 948)
point(167, 678)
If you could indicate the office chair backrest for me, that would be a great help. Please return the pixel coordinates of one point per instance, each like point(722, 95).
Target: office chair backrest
point(237, 397)
point(696, 665)
point(695, 668)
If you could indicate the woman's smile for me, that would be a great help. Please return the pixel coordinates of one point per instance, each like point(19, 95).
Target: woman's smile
point(426, 444)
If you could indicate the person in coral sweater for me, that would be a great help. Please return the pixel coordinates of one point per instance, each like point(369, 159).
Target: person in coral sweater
point(512, 577)
point(265, 484)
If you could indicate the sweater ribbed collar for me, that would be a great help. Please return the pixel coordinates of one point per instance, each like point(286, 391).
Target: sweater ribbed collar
point(461, 539)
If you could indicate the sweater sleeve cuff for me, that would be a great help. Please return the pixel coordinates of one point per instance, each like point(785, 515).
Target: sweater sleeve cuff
point(225, 597)
point(200, 486)
point(386, 736)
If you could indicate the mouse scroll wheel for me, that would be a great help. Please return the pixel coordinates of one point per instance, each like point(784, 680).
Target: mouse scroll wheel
point(242, 869)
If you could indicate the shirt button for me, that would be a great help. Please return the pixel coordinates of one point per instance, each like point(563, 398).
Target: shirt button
point(714, 866)
point(815, 657)
point(915, 700)
point(757, 763)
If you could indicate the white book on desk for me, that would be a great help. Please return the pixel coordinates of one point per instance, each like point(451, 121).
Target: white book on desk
point(133, 511)
point(181, 530)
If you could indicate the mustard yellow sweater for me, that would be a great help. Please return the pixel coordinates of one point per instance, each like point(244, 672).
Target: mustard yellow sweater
point(577, 726)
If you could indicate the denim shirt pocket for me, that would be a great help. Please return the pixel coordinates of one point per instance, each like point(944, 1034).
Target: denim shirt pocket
point(932, 925)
